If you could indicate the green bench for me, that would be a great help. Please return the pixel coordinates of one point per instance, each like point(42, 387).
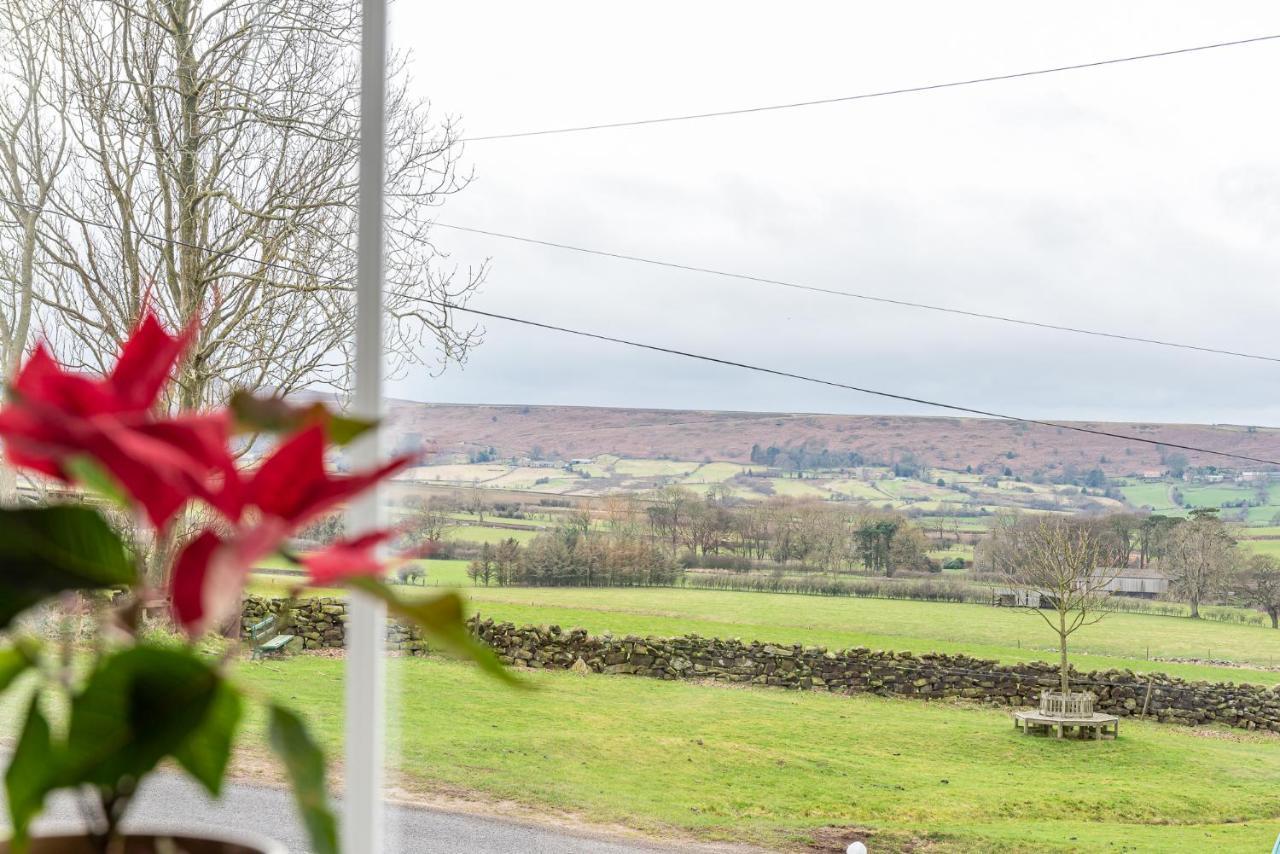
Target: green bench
point(266, 639)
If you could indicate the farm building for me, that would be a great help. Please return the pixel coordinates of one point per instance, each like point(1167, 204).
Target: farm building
point(1137, 582)
point(1133, 582)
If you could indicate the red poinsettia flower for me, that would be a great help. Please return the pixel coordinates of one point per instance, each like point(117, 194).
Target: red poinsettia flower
point(290, 489)
point(57, 416)
point(347, 559)
point(146, 363)
point(210, 571)
point(293, 485)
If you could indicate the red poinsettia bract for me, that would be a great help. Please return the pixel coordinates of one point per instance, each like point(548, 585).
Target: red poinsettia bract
point(56, 418)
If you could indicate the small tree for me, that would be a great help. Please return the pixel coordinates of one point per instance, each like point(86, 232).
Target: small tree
point(481, 569)
point(1259, 585)
point(506, 561)
point(1069, 562)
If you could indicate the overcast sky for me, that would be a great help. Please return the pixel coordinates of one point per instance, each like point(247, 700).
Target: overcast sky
point(1142, 198)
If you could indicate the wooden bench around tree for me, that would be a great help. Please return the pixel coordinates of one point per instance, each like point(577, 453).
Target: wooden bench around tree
point(1067, 713)
point(266, 638)
point(1095, 725)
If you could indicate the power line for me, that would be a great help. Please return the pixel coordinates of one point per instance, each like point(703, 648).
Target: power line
point(928, 87)
point(764, 280)
point(846, 386)
point(691, 268)
point(701, 357)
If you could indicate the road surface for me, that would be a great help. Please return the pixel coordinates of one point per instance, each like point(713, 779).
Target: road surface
point(172, 802)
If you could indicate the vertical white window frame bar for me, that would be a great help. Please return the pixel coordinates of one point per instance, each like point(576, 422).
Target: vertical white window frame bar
point(362, 818)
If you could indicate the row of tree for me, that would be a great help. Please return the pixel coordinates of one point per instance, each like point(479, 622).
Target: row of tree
point(572, 556)
point(779, 529)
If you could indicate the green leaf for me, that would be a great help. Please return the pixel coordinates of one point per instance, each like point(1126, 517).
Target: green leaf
point(30, 776)
point(441, 617)
point(305, 763)
point(16, 660)
point(48, 550)
point(274, 415)
point(139, 706)
point(206, 751)
point(88, 473)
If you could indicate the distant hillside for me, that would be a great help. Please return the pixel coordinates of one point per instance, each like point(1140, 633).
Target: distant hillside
point(564, 432)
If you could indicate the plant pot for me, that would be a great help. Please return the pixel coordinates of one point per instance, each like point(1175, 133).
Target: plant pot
point(160, 842)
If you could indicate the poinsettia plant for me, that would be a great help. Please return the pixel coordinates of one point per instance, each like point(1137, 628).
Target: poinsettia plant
point(130, 703)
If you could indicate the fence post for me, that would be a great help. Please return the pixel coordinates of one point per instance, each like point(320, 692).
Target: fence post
point(1147, 698)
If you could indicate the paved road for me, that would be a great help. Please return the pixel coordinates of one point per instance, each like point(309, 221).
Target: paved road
point(171, 802)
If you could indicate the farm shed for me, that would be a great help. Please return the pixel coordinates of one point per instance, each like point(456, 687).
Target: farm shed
point(1136, 582)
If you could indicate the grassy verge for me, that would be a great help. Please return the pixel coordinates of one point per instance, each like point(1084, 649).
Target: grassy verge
point(774, 767)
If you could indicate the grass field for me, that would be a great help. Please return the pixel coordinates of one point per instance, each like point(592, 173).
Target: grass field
point(654, 468)
point(794, 487)
point(1148, 495)
point(859, 489)
point(481, 534)
point(1266, 547)
point(1120, 640)
point(714, 473)
point(772, 767)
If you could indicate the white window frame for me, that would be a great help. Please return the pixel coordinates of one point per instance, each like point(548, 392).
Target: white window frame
point(365, 678)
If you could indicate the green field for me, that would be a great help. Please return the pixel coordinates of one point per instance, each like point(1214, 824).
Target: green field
point(771, 767)
point(1120, 640)
point(484, 534)
point(471, 518)
point(685, 760)
point(1154, 495)
point(1214, 496)
point(714, 473)
point(1266, 547)
point(654, 468)
point(794, 487)
point(859, 489)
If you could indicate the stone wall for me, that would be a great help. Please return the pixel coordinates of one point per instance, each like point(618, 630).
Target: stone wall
point(858, 670)
point(321, 623)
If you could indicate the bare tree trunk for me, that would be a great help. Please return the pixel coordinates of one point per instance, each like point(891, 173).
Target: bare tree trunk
point(1064, 668)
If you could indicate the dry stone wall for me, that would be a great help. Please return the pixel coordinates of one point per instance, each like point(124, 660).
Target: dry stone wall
point(925, 676)
point(321, 623)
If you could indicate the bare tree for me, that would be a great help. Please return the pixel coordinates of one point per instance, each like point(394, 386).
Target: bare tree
point(1259, 585)
point(217, 143)
point(1068, 562)
point(33, 152)
point(429, 521)
point(1199, 557)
